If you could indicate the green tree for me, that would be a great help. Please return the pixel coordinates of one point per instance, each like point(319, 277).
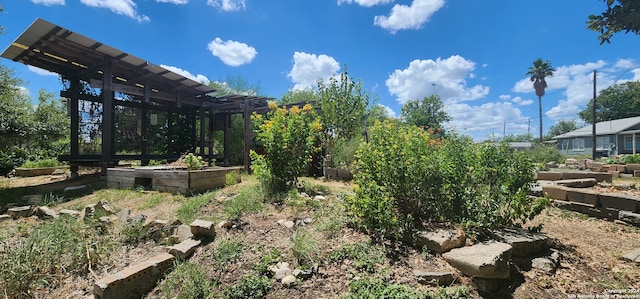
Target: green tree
point(343, 104)
point(538, 72)
point(299, 96)
point(517, 138)
point(51, 126)
point(563, 126)
point(623, 16)
point(425, 113)
point(616, 102)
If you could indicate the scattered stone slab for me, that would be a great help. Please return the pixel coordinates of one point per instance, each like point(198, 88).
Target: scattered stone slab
point(19, 212)
point(555, 191)
point(288, 224)
point(87, 212)
point(203, 229)
point(440, 240)
point(282, 272)
point(434, 278)
point(543, 263)
point(102, 208)
point(523, 242)
point(588, 197)
point(123, 215)
point(319, 197)
point(135, 281)
point(71, 213)
point(485, 260)
point(633, 256)
point(184, 249)
point(578, 183)
point(4, 217)
point(619, 201)
point(629, 217)
point(183, 232)
point(45, 212)
point(548, 176)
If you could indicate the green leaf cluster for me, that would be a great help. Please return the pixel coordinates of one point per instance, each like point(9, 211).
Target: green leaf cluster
point(407, 178)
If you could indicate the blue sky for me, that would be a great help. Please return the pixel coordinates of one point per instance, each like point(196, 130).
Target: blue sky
point(473, 54)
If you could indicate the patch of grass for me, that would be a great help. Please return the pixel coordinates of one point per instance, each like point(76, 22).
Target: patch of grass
point(227, 252)
point(232, 178)
point(364, 256)
point(191, 206)
point(187, 281)
point(460, 291)
point(305, 247)
point(51, 199)
point(371, 287)
point(270, 258)
point(41, 163)
point(250, 286)
point(152, 201)
point(313, 189)
point(249, 199)
point(62, 246)
point(331, 220)
point(133, 233)
point(300, 203)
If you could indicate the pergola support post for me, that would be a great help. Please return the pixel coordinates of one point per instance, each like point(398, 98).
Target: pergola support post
point(107, 117)
point(227, 140)
point(247, 131)
point(74, 87)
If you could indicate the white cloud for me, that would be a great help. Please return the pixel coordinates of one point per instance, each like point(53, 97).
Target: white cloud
point(232, 53)
point(444, 77)
point(228, 5)
point(40, 71)
point(388, 111)
point(486, 119)
point(408, 17)
point(309, 68)
point(522, 102)
point(198, 78)
point(121, 7)
point(173, 1)
point(504, 97)
point(48, 2)
point(365, 3)
point(22, 90)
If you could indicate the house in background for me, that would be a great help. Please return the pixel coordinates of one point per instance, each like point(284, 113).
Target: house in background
point(613, 137)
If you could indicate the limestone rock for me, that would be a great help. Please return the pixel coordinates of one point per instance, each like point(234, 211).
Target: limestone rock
point(543, 263)
point(4, 217)
point(123, 215)
point(633, 256)
point(102, 208)
point(282, 272)
point(45, 212)
point(441, 240)
point(303, 274)
point(288, 280)
point(184, 249)
point(319, 197)
point(203, 229)
point(88, 212)
point(524, 242)
point(183, 232)
point(288, 224)
point(434, 278)
point(629, 217)
point(71, 213)
point(19, 212)
point(578, 183)
point(485, 260)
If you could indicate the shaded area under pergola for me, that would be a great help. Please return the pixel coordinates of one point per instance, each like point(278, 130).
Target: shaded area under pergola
point(125, 108)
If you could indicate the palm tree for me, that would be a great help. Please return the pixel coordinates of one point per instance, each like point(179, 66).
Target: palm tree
point(540, 70)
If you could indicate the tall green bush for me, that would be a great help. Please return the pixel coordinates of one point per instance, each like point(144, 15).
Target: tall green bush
point(288, 137)
point(407, 178)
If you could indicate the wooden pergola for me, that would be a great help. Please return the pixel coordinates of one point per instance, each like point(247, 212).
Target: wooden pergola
point(101, 76)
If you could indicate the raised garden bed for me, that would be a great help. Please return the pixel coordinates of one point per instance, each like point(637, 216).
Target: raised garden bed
point(163, 178)
point(29, 172)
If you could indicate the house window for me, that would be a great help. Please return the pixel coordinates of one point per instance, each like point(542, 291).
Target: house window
point(628, 143)
point(578, 144)
point(602, 142)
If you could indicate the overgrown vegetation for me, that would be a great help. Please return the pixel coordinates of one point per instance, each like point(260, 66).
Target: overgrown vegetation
point(363, 256)
point(188, 281)
point(407, 178)
point(52, 162)
point(288, 137)
point(190, 207)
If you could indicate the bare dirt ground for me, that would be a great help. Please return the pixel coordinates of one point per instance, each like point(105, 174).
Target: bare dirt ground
point(590, 263)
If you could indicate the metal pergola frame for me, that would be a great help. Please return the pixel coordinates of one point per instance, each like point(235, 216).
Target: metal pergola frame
point(81, 60)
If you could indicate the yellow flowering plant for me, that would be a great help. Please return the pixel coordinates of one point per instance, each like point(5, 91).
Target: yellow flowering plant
point(289, 139)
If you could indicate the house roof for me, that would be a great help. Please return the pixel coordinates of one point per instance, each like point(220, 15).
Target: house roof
point(609, 127)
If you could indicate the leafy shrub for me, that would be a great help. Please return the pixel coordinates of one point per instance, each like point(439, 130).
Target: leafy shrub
point(345, 151)
point(288, 137)
point(231, 178)
point(270, 258)
point(193, 162)
point(250, 286)
point(187, 281)
point(227, 252)
point(41, 163)
point(541, 153)
point(630, 159)
point(406, 178)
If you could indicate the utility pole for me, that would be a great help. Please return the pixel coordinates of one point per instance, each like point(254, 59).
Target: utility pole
point(593, 119)
point(504, 129)
point(529, 126)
